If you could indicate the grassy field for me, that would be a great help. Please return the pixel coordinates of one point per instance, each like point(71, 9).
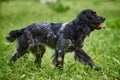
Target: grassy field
point(103, 46)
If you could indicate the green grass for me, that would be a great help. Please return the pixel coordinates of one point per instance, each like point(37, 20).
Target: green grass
point(103, 46)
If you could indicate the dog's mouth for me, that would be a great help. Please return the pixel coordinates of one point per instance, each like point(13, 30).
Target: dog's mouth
point(98, 26)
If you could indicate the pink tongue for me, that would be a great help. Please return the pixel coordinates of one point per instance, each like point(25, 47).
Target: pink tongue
point(101, 26)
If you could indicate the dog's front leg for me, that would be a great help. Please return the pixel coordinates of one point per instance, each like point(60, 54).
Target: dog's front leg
point(81, 56)
point(58, 58)
point(60, 52)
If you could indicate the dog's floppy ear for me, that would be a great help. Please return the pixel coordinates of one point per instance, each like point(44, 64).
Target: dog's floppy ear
point(84, 15)
point(80, 18)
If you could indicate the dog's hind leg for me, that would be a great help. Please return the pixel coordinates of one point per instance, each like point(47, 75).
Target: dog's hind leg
point(38, 51)
point(23, 44)
point(81, 56)
point(18, 54)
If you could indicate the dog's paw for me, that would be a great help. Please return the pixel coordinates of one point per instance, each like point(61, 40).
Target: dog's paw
point(96, 68)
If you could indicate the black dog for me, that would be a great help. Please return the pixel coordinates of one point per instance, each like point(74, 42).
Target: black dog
point(63, 37)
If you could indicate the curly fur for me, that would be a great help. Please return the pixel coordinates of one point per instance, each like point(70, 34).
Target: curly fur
point(63, 37)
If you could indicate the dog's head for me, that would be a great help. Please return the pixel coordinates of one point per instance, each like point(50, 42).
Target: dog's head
point(90, 18)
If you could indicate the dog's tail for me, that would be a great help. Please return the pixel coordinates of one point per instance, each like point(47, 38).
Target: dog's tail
point(14, 34)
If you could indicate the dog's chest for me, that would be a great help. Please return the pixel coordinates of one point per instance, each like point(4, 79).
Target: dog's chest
point(70, 45)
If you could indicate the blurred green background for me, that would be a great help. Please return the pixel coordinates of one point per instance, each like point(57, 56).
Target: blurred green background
point(103, 46)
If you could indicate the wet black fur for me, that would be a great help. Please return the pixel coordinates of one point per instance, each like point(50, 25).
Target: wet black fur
point(34, 37)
